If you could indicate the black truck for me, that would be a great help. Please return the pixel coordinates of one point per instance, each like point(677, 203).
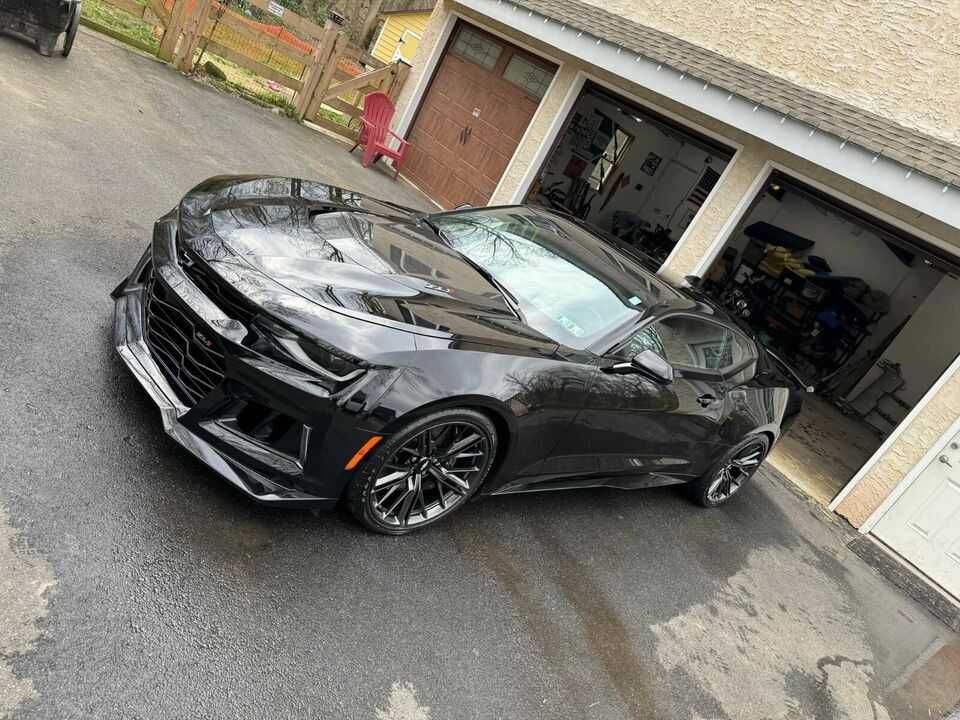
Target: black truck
point(42, 20)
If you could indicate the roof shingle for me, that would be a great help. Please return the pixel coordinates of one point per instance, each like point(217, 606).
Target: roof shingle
point(876, 133)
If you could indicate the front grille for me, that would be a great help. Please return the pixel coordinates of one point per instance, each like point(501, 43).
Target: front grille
point(214, 288)
point(189, 355)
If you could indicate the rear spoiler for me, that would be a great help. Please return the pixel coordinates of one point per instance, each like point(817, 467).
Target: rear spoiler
point(793, 373)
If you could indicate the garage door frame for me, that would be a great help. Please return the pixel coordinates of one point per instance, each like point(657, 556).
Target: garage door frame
point(550, 140)
point(759, 182)
point(409, 117)
point(726, 232)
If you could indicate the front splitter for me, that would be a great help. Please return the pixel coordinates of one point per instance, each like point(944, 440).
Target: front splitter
point(129, 341)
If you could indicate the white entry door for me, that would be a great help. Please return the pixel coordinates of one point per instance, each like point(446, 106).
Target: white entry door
point(923, 525)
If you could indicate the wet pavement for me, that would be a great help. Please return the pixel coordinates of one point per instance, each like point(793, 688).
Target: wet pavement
point(135, 584)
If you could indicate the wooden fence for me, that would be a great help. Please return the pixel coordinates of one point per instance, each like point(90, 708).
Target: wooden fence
point(315, 62)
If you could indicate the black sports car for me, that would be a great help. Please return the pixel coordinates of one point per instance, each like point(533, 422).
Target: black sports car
point(314, 345)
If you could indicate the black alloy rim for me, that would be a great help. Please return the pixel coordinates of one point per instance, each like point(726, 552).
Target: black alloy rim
point(430, 474)
point(735, 472)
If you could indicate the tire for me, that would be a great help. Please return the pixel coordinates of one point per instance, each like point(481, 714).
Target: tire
point(424, 472)
point(71, 31)
point(740, 464)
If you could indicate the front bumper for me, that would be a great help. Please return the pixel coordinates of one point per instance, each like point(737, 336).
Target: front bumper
point(310, 475)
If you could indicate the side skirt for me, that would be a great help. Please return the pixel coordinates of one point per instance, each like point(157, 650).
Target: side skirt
point(532, 485)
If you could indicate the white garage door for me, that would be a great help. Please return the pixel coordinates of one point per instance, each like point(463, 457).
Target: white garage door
point(923, 526)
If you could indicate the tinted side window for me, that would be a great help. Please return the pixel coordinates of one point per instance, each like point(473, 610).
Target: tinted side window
point(688, 342)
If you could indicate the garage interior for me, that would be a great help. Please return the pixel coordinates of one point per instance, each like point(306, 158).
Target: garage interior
point(859, 308)
point(629, 172)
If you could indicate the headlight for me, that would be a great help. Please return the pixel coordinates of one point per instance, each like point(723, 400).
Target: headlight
point(283, 345)
point(321, 360)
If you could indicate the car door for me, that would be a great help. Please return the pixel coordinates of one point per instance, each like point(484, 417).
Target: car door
point(638, 425)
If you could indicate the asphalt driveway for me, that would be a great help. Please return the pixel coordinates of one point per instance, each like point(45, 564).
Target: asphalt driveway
point(135, 584)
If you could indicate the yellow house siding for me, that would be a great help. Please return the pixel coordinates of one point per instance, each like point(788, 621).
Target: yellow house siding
point(394, 26)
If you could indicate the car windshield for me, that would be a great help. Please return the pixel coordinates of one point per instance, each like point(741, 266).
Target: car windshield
point(570, 285)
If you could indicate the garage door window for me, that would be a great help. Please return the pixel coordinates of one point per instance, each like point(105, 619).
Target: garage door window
point(477, 48)
point(612, 155)
point(528, 76)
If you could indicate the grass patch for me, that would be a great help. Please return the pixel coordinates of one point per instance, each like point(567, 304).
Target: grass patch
point(241, 81)
point(333, 116)
point(261, 96)
point(121, 22)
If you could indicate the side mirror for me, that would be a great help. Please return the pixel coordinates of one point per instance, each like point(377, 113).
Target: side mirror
point(649, 363)
point(646, 363)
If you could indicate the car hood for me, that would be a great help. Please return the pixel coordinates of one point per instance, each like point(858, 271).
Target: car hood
point(302, 250)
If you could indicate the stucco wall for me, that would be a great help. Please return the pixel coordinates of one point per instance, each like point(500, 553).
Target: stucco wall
point(428, 43)
point(932, 422)
point(898, 58)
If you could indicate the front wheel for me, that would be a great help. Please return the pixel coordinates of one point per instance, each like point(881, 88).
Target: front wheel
point(424, 472)
point(728, 476)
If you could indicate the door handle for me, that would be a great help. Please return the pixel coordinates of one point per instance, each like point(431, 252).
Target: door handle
point(706, 400)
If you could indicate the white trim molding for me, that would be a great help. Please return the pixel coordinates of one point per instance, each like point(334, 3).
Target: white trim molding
point(769, 167)
point(426, 77)
point(731, 223)
point(560, 120)
point(928, 195)
point(546, 145)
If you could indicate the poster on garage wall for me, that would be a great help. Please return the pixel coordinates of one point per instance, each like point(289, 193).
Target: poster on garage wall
point(651, 164)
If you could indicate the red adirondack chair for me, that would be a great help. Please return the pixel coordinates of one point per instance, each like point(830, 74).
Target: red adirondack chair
point(375, 135)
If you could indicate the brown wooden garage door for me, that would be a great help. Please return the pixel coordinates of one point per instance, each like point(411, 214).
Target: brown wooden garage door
point(476, 110)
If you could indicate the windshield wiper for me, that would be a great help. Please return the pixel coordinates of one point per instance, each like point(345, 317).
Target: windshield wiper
point(486, 274)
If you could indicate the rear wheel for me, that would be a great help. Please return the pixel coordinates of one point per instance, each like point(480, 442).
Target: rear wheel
point(424, 472)
point(71, 33)
point(730, 473)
